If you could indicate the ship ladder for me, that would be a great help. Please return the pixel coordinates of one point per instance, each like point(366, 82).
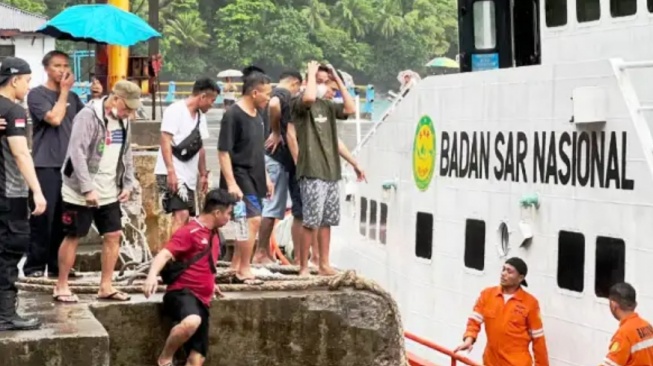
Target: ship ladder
point(414, 360)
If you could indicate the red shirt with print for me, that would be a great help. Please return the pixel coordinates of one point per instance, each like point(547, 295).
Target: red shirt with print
point(185, 243)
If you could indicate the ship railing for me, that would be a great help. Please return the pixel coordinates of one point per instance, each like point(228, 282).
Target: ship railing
point(635, 107)
point(360, 142)
point(415, 360)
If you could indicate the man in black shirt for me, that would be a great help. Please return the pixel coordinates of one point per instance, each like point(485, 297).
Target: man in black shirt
point(16, 174)
point(53, 106)
point(241, 156)
point(279, 164)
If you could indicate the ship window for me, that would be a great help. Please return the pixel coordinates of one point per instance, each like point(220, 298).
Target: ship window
point(571, 261)
point(485, 29)
point(556, 12)
point(373, 226)
point(588, 10)
point(475, 244)
point(610, 264)
point(363, 217)
point(424, 235)
point(382, 223)
point(622, 8)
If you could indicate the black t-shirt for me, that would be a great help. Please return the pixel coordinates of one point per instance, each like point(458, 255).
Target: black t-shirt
point(282, 153)
point(241, 135)
point(50, 143)
point(12, 183)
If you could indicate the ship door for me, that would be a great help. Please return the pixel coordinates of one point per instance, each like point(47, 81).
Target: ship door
point(498, 34)
point(526, 23)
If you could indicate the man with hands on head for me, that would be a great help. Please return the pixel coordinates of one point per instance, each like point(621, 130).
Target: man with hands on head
point(16, 175)
point(313, 123)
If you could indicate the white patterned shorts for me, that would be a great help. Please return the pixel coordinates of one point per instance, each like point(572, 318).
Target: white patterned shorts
point(321, 202)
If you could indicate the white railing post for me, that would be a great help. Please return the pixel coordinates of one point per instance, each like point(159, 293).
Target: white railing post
point(358, 119)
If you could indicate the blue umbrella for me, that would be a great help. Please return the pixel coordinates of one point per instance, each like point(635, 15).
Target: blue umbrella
point(104, 24)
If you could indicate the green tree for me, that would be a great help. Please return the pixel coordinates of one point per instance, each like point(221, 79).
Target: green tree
point(32, 6)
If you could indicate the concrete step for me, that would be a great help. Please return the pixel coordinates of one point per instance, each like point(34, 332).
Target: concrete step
point(249, 328)
point(71, 336)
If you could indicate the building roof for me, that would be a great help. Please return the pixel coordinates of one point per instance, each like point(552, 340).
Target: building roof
point(19, 20)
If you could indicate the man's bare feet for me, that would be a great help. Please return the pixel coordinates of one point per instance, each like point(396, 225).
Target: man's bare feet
point(326, 271)
point(111, 294)
point(262, 258)
point(304, 272)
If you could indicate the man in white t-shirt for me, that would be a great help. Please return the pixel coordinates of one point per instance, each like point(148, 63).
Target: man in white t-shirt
point(181, 161)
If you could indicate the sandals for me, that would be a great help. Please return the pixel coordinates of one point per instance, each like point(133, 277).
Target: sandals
point(66, 298)
point(117, 296)
point(245, 281)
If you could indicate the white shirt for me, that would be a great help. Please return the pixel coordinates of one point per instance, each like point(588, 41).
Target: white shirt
point(178, 122)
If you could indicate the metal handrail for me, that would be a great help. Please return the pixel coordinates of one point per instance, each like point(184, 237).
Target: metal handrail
point(455, 358)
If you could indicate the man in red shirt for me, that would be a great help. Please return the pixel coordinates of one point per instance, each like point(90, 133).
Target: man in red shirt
point(188, 298)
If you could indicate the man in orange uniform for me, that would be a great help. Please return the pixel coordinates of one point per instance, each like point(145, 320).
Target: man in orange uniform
point(632, 344)
point(512, 320)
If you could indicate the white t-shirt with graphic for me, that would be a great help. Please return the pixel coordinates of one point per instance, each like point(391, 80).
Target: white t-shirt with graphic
point(178, 122)
point(104, 181)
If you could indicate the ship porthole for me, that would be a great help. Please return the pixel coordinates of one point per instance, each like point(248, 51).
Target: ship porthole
point(504, 240)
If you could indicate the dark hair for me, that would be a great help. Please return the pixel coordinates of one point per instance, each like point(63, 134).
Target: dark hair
point(204, 85)
point(250, 69)
point(624, 295)
point(218, 199)
point(291, 75)
point(324, 68)
point(52, 54)
point(253, 80)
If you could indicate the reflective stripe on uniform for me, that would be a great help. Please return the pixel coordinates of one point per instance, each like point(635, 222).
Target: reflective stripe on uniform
point(609, 362)
point(537, 333)
point(647, 343)
point(476, 316)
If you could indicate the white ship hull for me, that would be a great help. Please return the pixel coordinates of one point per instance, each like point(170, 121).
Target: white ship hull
point(516, 107)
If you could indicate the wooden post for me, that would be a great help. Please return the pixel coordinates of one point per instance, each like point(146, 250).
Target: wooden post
point(153, 19)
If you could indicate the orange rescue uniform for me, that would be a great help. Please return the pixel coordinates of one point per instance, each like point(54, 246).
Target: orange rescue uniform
point(510, 326)
point(632, 344)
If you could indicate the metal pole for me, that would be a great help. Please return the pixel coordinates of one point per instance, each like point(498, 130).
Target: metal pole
point(153, 16)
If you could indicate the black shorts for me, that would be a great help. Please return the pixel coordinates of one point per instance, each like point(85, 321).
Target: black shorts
point(171, 202)
point(178, 305)
point(77, 219)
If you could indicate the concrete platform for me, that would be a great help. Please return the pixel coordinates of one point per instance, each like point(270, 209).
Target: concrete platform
point(316, 327)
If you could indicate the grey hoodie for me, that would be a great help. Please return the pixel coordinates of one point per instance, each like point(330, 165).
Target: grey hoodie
point(86, 147)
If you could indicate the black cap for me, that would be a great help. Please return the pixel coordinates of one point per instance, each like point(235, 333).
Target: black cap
point(13, 66)
point(520, 266)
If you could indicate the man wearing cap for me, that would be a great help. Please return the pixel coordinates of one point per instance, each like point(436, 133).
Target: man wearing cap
point(632, 343)
point(16, 175)
point(52, 106)
point(98, 175)
point(512, 321)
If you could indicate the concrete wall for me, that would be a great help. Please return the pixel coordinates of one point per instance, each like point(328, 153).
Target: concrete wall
point(317, 328)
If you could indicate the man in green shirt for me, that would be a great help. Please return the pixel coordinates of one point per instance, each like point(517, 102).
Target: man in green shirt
point(318, 166)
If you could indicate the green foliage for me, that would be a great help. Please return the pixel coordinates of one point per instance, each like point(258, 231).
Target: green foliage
point(32, 6)
point(371, 39)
